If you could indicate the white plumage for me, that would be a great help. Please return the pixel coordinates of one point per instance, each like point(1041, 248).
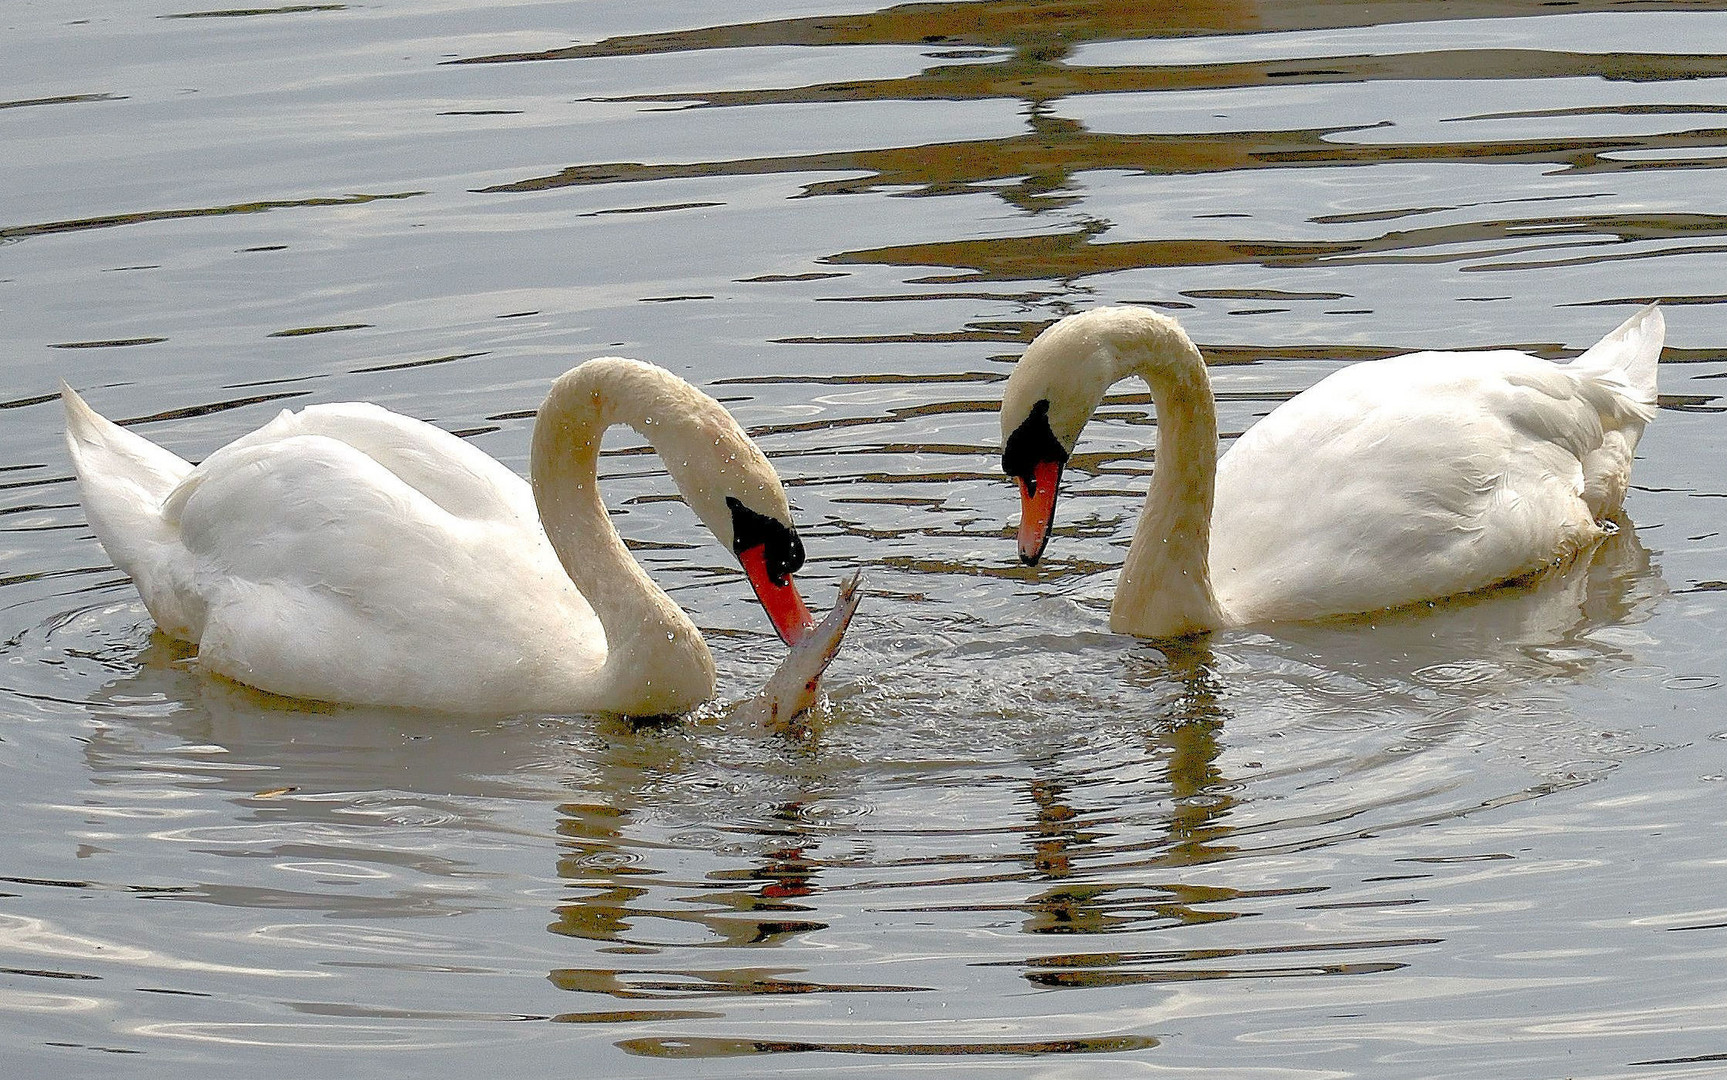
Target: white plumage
point(347, 553)
point(1391, 482)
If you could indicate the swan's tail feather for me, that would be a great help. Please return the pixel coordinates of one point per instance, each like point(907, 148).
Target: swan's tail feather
point(103, 450)
point(1625, 361)
point(1618, 374)
point(122, 481)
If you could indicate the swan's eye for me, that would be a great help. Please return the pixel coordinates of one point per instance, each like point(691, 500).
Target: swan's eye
point(1032, 444)
point(782, 550)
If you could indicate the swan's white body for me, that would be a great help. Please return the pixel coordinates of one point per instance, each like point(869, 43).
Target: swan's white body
point(346, 553)
point(1407, 479)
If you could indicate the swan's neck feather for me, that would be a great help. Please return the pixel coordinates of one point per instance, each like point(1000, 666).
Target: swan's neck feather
point(1165, 585)
point(656, 661)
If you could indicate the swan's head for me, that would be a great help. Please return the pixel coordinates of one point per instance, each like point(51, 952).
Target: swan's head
point(1051, 394)
point(1033, 456)
point(729, 483)
point(770, 552)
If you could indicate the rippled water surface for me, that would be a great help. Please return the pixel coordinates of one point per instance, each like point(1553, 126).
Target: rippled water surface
point(1483, 840)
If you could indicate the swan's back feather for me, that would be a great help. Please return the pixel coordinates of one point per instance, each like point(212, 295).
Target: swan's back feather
point(462, 480)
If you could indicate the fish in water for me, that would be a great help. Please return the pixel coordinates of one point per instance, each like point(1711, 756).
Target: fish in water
point(795, 687)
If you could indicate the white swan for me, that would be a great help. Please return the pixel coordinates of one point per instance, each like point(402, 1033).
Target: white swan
point(1406, 479)
point(346, 553)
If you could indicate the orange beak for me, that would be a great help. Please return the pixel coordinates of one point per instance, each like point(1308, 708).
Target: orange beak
point(779, 598)
point(1037, 510)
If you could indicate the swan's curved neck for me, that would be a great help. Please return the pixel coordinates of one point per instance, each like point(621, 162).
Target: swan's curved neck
point(1165, 585)
point(655, 656)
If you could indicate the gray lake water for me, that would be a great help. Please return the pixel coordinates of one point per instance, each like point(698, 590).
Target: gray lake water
point(1487, 840)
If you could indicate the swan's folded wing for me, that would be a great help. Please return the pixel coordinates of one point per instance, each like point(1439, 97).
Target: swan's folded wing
point(325, 575)
point(1420, 477)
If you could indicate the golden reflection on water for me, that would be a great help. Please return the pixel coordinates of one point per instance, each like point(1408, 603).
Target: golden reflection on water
point(1037, 172)
point(1035, 29)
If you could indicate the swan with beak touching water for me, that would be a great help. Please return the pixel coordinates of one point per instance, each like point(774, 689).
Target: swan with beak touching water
point(1391, 482)
point(345, 553)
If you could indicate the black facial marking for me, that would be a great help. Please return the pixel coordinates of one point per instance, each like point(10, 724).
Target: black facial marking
point(1031, 444)
point(782, 550)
